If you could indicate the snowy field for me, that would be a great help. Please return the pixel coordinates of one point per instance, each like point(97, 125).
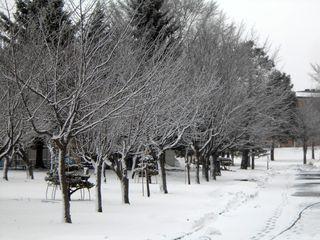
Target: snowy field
point(241, 204)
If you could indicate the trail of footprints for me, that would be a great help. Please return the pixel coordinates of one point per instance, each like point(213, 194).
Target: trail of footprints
point(266, 232)
point(270, 225)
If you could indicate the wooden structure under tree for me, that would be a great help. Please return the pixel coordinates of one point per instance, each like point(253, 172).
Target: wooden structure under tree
point(76, 181)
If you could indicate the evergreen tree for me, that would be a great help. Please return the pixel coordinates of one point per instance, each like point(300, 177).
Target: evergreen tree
point(98, 26)
point(48, 16)
point(22, 15)
point(280, 84)
point(260, 68)
point(56, 21)
point(151, 22)
point(6, 25)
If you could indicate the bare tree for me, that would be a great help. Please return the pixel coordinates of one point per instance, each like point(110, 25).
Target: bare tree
point(214, 56)
point(95, 147)
point(69, 89)
point(10, 115)
point(74, 87)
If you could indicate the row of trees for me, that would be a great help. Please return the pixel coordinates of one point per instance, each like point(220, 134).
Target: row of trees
point(107, 80)
point(308, 118)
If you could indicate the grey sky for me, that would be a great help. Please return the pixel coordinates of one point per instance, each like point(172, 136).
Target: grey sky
point(291, 25)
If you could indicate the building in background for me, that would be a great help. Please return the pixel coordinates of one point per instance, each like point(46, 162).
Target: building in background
point(304, 98)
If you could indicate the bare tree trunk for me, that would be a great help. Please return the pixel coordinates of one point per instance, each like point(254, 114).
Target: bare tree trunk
point(125, 189)
point(30, 171)
point(188, 174)
point(6, 163)
point(123, 176)
point(232, 157)
point(24, 156)
point(187, 167)
point(305, 148)
point(211, 166)
point(203, 169)
point(98, 186)
point(148, 181)
point(134, 163)
point(272, 151)
point(312, 150)
point(163, 181)
point(206, 168)
point(245, 159)
point(104, 168)
point(215, 165)
point(252, 160)
point(52, 156)
point(197, 166)
point(64, 184)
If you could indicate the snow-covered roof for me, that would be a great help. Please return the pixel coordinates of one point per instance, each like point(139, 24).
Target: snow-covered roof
point(308, 94)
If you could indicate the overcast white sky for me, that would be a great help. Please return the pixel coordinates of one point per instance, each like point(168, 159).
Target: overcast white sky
point(292, 25)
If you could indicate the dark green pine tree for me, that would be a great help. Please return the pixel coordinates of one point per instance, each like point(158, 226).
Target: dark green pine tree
point(22, 15)
point(260, 56)
point(6, 27)
point(47, 15)
point(10, 29)
point(281, 82)
point(58, 25)
point(260, 61)
point(152, 23)
point(284, 111)
point(98, 27)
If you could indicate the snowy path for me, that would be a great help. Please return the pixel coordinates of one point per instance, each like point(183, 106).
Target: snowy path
point(252, 216)
point(307, 223)
point(273, 209)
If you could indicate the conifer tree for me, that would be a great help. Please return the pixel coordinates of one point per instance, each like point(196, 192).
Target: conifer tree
point(152, 23)
point(98, 26)
point(48, 16)
point(260, 67)
point(280, 85)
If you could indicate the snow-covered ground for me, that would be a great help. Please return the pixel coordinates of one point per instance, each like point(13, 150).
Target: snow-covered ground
point(241, 204)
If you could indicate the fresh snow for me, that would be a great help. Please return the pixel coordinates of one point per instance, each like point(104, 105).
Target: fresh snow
point(242, 204)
